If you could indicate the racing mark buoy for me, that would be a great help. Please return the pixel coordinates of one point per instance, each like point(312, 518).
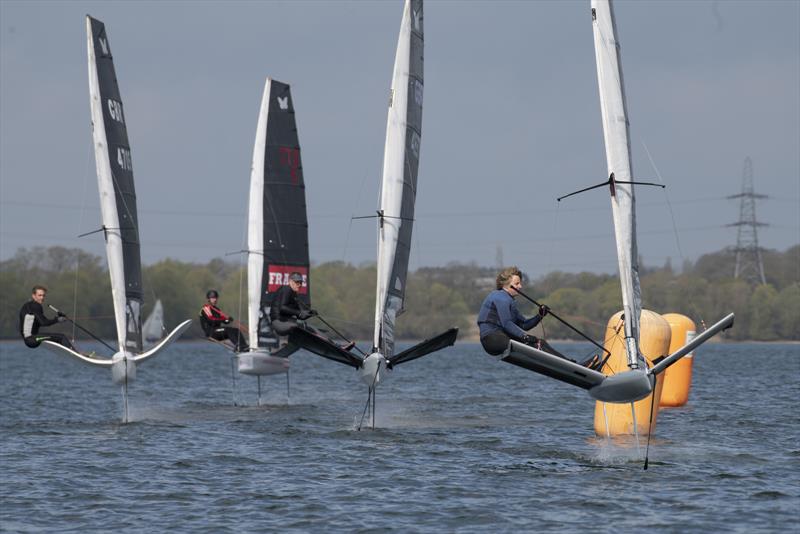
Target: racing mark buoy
point(613, 419)
point(678, 376)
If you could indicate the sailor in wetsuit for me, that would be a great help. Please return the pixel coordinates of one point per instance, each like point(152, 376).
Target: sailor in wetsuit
point(31, 317)
point(213, 321)
point(287, 309)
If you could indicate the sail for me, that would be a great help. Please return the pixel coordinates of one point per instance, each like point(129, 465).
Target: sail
point(618, 158)
point(117, 192)
point(399, 184)
point(277, 235)
point(153, 327)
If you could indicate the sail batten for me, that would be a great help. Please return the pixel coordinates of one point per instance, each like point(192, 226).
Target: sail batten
point(399, 182)
point(277, 241)
point(616, 135)
point(116, 187)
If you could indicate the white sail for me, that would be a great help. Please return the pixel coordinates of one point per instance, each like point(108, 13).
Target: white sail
point(153, 327)
point(618, 157)
point(399, 183)
point(115, 184)
point(255, 221)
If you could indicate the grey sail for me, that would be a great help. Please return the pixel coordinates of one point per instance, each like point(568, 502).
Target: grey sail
point(117, 191)
point(400, 166)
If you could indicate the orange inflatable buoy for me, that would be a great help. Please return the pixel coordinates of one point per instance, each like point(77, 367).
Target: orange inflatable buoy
point(678, 376)
point(613, 419)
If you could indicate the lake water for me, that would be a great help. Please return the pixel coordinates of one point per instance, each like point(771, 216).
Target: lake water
point(463, 444)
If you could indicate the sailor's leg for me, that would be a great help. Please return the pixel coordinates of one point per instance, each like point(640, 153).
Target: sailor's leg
point(541, 344)
point(235, 336)
point(56, 337)
point(495, 343)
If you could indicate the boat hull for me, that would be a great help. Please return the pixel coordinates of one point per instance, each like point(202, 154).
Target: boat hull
point(258, 363)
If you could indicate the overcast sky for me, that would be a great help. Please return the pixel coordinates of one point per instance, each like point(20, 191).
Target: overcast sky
point(511, 121)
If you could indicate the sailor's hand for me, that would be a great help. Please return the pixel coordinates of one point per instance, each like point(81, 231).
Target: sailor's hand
point(228, 320)
point(526, 339)
point(304, 315)
point(61, 317)
point(312, 312)
point(543, 310)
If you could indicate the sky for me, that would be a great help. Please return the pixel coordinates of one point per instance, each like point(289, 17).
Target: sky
point(511, 121)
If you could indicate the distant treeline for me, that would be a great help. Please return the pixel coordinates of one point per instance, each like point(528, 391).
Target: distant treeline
point(436, 297)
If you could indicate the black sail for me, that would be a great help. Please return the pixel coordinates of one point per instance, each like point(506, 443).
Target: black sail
point(125, 223)
point(277, 208)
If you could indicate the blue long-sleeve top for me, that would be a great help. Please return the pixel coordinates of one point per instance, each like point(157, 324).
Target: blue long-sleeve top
point(499, 312)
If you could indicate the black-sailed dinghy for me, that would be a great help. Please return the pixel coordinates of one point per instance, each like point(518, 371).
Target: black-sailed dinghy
point(119, 216)
point(277, 234)
point(395, 218)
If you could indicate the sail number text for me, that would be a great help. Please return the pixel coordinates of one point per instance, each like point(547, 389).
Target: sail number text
point(124, 159)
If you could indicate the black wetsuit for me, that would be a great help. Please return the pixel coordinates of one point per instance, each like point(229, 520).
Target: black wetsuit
point(31, 318)
point(286, 308)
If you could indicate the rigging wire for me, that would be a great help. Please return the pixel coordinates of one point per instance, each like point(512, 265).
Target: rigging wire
point(352, 214)
point(80, 228)
point(666, 197)
point(550, 253)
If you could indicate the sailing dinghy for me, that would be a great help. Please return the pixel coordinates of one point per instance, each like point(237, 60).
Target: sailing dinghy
point(153, 327)
point(395, 218)
point(277, 229)
point(119, 217)
point(639, 381)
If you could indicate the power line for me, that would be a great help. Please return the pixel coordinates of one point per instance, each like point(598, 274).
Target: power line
point(749, 264)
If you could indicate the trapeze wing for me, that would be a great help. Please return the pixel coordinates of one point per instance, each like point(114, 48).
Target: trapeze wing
point(445, 339)
point(61, 349)
point(623, 387)
point(725, 323)
point(322, 347)
point(174, 335)
point(547, 364)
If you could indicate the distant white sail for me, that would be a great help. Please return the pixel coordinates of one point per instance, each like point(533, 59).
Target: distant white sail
point(618, 158)
point(153, 328)
point(399, 183)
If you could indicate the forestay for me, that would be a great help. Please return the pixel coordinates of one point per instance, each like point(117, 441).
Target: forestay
point(117, 193)
point(618, 157)
point(399, 184)
point(277, 237)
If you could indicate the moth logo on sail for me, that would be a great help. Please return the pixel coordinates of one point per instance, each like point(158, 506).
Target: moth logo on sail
point(103, 45)
point(283, 103)
point(417, 20)
point(115, 110)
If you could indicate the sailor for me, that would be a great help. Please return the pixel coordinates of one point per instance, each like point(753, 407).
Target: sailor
point(287, 310)
point(213, 321)
point(31, 317)
point(499, 319)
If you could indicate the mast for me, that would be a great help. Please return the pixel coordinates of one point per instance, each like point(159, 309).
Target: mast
point(618, 158)
point(277, 236)
point(399, 184)
point(116, 187)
